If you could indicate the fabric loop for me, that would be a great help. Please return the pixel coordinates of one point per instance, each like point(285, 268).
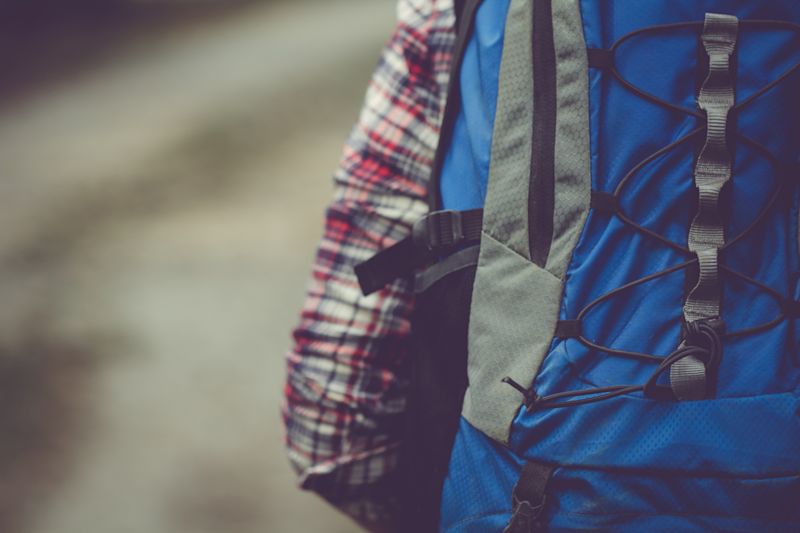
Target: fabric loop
point(529, 498)
point(569, 329)
point(713, 171)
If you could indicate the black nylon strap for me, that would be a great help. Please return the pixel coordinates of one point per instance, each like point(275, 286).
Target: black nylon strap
point(569, 329)
point(529, 498)
point(388, 265)
point(600, 58)
point(604, 201)
point(437, 233)
point(791, 308)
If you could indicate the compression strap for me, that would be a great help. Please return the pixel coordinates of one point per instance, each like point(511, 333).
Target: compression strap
point(689, 376)
point(436, 234)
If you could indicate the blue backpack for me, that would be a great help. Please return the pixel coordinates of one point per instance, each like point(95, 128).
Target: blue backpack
point(608, 283)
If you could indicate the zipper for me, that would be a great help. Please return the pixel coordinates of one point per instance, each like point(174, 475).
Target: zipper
point(541, 195)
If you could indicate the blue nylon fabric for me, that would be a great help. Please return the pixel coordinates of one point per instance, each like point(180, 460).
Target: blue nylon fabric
point(588, 500)
point(477, 490)
point(632, 464)
point(465, 170)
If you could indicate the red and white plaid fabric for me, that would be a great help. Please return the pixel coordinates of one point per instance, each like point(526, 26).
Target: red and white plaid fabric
point(344, 392)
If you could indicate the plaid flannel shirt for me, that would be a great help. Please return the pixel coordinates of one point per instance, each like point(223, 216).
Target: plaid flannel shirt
point(344, 392)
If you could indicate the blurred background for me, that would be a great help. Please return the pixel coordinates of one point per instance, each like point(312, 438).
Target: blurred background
point(164, 166)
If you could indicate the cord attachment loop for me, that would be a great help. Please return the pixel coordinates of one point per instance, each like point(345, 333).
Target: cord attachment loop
point(529, 395)
point(702, 343)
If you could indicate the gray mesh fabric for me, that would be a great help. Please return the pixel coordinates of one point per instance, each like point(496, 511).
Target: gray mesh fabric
point(506, 208)
point(572, 166)
point(513, 318)
point(515, 303)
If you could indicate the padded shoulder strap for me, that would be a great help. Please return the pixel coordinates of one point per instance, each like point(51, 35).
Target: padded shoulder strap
point(465, 17)
point(516, 302)
point(458, 7)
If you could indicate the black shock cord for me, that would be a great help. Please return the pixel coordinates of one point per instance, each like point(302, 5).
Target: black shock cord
point(703, 338)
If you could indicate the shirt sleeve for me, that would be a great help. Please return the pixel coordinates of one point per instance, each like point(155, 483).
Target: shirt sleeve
point(344, 394)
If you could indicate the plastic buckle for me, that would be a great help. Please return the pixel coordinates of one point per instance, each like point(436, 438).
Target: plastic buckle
point(525, 516)
point(439, 229)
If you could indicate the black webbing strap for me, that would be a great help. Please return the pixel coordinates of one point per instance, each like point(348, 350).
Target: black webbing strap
point(388, 265)
point(600, 58)
point(604, 201)
point(435, 234)
point(529, 498)
point(569, 329)
point(791, 308)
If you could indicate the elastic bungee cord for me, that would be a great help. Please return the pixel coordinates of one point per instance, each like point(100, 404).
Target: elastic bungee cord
point(702, 339)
